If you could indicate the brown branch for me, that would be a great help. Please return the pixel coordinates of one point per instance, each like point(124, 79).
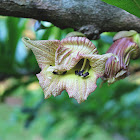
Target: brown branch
point(91, 17)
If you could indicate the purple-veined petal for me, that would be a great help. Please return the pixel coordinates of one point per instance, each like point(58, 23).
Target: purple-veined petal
point(50, 83)
point(80, 88)
point(125, 49)
point(77, 87)
point(72, 50)
point(97, 62)
point(44, 50)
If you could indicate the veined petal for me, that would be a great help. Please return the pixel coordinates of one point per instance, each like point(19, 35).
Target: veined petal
point(43, 50)
point(125, 49)
point(77, 87)
point(50, 83)
point(97, 62)
point(72, 50)
point(80, 88)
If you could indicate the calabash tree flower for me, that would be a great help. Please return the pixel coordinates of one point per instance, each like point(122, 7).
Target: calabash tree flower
point(126, 46)
point(71, 64)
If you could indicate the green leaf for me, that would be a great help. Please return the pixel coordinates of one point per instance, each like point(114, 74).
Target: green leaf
point(131, 6)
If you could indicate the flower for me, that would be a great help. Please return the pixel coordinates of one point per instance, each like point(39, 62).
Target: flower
point(126, 46)
point(71, 64)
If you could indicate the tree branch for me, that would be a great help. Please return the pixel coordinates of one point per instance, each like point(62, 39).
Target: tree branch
point(91, 17)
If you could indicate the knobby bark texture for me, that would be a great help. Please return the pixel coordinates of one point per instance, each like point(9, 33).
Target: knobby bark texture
point(91, 17)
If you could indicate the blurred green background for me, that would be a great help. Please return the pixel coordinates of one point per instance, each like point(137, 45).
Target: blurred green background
point(110, 113)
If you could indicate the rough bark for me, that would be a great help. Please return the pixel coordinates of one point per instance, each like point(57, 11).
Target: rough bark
point(91, 17)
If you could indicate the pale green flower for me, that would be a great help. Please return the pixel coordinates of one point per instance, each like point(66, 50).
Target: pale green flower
point(71, 64)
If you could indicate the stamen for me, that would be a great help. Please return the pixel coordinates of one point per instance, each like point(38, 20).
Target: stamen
point(64, 72)
point(54, 72)
point(76, 72)
point(85, 74)
point(81, 72)
point(84, 63)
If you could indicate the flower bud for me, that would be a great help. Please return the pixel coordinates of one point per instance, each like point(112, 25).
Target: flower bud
point(125, 47)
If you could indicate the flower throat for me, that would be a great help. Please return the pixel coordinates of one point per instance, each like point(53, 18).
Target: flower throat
point(85, 67)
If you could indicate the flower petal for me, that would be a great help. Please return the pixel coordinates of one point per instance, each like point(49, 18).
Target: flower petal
point(72, 50)
point(76, 86)
point(80, 88)
point(43, 50)
point(97, 62)
point(50, 83)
